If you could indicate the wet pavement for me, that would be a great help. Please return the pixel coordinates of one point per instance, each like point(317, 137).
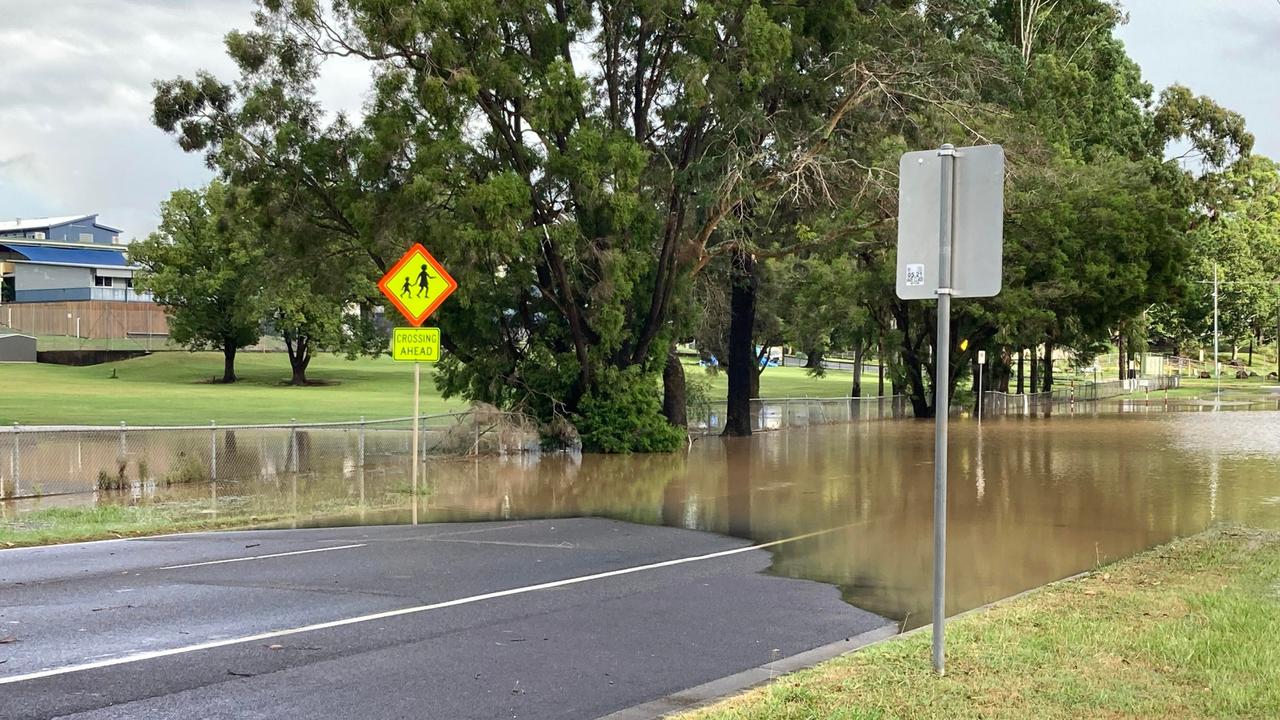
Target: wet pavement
point(541, 619)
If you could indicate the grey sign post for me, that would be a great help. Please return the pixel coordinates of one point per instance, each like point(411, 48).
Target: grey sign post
point(982, 370)
point(950, 244)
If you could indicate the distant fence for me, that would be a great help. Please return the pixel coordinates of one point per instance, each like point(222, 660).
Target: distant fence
point(781, 413)
point(1043, 403)
point(44, 460)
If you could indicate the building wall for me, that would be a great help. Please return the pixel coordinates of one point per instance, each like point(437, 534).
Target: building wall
point(69, 232)
point(48, 283)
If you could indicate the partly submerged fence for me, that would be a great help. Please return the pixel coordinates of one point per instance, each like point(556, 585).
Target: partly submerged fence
point(780, 413)
point(1066, 397)
point(45, 460)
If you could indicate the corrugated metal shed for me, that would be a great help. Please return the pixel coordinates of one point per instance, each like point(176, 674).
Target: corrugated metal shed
point(17, 348)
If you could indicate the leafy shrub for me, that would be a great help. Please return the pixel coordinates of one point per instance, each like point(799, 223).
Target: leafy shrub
point(187, 469)
point(622, 414)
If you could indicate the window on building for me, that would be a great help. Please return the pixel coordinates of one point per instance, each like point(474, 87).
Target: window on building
point(86, 237)
point(100, 281)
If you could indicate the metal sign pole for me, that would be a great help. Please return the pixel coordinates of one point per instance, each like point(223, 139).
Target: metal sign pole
point(942, 386)
point(413, 474)
point(1217, 368)
point(982, 370)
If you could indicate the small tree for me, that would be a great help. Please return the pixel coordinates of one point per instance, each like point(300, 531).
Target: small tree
point(307, 320)
point(202, 265)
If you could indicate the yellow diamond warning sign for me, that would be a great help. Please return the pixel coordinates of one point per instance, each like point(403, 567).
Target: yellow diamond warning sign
point(416, 344)
point(417, 284)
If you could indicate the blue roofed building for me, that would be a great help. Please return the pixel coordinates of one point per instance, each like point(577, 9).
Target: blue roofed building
point(69, 258)
point(65, 229)
point(71, 274)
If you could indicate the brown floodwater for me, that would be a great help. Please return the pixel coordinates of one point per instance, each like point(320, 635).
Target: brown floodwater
point(1031, 499)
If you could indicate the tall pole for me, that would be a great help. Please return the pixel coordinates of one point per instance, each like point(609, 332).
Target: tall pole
point(1217, 368)
point(982, 367)
point(942, 387)
point(413, 474)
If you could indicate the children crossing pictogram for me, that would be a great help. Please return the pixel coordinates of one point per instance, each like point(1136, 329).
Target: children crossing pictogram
point(417, 284)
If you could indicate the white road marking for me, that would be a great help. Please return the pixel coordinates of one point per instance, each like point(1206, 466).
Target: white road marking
point(552, 546)
point(211, 644)
point(262, 557)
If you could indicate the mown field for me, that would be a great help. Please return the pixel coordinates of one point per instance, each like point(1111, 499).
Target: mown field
point(177, 388)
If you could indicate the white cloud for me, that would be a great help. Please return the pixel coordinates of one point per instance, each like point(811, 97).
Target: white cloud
point(1227, 50)
point(75, 124)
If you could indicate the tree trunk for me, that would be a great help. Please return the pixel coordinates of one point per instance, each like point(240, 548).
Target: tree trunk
point(813, 359)
point(1048, 367)
point(742, 357)
point(880, 370)
point(1124, 366)
point(229, 363)
point(1250, 352)
point(675, 404)
point(856, 391)
point(1021, 387)
point(1035, 370)
point(299, 351)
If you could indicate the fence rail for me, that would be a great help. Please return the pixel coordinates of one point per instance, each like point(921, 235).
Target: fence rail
point(51, 460)
point(999, 403)
point(780, 413)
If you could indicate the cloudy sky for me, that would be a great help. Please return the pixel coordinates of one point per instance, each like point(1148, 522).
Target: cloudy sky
point(75, 89)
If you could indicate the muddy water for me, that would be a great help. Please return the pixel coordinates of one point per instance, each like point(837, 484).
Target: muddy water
point(1032, 500)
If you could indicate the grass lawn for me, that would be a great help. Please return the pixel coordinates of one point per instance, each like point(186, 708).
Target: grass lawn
point(780, 382)
point(174, 388)
point(1183, 631)
point(1189, 387)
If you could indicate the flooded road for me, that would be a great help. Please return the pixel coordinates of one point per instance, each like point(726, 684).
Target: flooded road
point(1032, 499)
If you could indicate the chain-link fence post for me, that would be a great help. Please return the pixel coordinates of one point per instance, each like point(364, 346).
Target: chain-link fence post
point(15, 461)
point(360, 444)
point(213, 450)
point(291, 465)
point(360, 464)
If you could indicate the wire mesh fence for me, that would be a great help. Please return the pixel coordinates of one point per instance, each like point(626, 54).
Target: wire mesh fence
point(1067, 397)
point(780, 413)
point(43, 460)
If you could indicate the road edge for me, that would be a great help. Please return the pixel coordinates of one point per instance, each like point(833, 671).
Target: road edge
point(706, 693)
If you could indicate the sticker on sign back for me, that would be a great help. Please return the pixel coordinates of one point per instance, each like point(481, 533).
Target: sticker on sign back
point(915, 275)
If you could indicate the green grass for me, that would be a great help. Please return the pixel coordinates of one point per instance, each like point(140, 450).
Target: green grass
point(780, 382)
point(1184, 631)
point(75, 524)
point(1189, 387)
point(175, 388)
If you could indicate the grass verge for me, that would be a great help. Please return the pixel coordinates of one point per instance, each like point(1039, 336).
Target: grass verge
point(50, 526)
point(53, 525)
point(1186, 630)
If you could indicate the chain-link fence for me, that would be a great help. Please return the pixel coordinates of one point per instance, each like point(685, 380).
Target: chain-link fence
point(779, 413)
point(43, 460)
point(1067, 397)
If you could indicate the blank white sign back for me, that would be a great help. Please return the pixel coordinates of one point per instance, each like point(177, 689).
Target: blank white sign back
point(977, 222)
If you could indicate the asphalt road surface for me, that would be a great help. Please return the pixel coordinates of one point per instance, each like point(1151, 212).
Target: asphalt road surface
point(541, 619)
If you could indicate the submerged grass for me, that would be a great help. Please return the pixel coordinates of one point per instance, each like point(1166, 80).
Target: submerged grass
point(1183, 631)
point(52, 525)
point(48, 526)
